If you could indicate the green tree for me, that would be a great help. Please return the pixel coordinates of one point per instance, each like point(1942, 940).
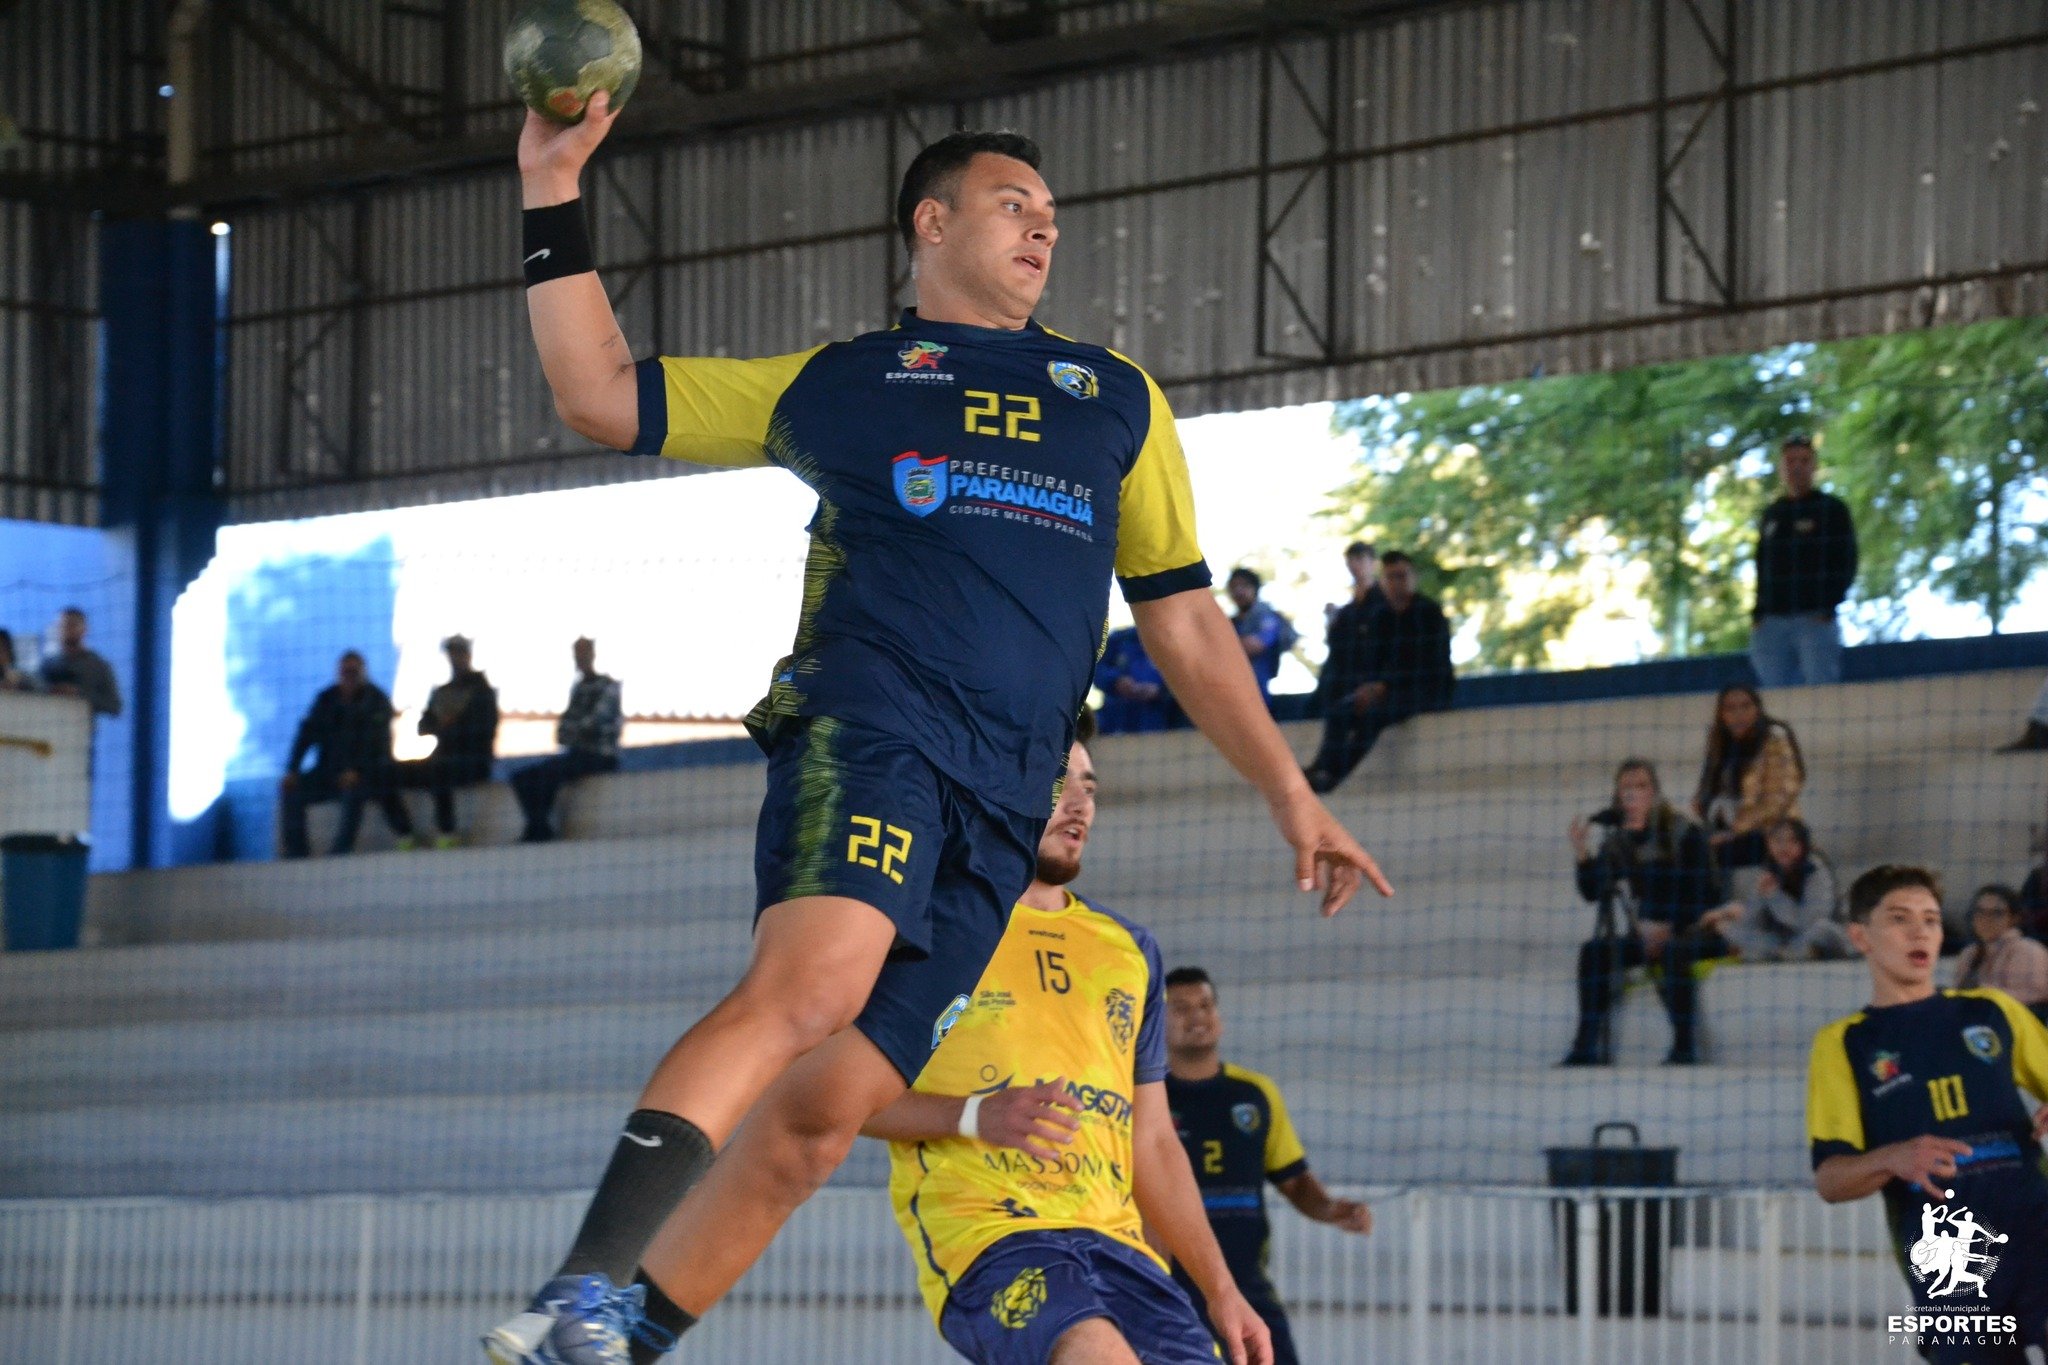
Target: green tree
point(1537, 477)
point(1936, 439)
point(1939, 441)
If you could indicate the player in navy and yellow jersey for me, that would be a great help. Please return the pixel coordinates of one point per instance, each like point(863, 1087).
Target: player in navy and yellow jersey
point(1238, 1137)
point(980, 480)
point(1029, 1235)
point(1918, 1096)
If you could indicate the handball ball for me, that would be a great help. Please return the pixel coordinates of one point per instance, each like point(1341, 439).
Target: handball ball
point(558, 53)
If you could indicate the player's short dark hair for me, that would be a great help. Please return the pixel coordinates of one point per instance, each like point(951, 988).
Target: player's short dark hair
point(1880, 881)
point(1361, 547)
point(934, 173)
point(1251, 576)
point(1393, 557)
point(1189, 976)
point(1084, 726)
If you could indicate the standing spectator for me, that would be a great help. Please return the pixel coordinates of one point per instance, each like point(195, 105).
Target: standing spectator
point(1403, 669)
point(75, 671)
point(2035, 737)
point(1344, 627)
point(462, 716)
point(1265, 634)
point(2002, 956)
point(1790, 915)
point(589, 735)
point(1805, 564)
point(350, 725)
point(12, 679)
point(1654, 867)
point(1751, 777)
point(1134, 695)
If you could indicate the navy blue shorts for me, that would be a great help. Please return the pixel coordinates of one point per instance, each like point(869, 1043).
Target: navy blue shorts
point(1023, 1293)
point(857, 813)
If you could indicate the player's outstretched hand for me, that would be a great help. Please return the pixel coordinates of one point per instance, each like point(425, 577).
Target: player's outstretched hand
point(554, 151)
point(1326, 857)
point(1351, 1215)
point(1927, 1162)
point(1244, 1334)
point(1038, 1119)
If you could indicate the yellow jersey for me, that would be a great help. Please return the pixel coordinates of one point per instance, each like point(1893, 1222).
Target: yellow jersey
point(1076, 992)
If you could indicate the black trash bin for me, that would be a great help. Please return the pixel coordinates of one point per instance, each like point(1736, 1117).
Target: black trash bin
point(1633, 1230)
point(42, 891)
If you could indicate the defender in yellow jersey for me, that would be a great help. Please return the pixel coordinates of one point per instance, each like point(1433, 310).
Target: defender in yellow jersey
point(1036, 1147)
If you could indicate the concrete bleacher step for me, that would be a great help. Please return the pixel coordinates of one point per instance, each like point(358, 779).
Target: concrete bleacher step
point(1761, 1016)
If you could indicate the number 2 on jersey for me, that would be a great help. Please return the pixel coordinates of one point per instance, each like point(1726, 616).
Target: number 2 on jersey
point(1949, 1100)
point(1212, 1157)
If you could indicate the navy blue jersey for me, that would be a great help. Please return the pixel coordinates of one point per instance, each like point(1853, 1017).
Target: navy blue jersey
point(1238, 1136)
point(1951, 1065)
point(977, 487)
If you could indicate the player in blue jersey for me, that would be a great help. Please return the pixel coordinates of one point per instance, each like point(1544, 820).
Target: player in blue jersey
point(1917, 1096)
point(980, 479)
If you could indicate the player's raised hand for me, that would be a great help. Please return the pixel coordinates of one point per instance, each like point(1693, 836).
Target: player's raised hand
point(1326, 857)
point(553, 154)
point(1244, 1334)
point(1926, 1162)
point(1036, 1119)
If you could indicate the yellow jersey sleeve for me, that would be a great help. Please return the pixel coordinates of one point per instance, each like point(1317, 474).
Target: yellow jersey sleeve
point(1285, 1156)
point(1157, 553)
point(2029, 1043)
point(1834, 1108)
point(712, 410)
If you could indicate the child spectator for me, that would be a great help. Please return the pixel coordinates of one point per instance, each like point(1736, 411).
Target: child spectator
point(1655, 866)
point(1750, 779)
point(1791, 913)
point(2002, 956)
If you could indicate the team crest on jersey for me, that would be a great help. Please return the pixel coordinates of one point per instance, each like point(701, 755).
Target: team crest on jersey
point(1885, 1067)
point(1020, 1300)
point(1077, 380)
point(1122, 1010)
point(1246, 1117)
point(921, 355)
point(1983, 1042)
point(920, 482)
point(947, 1018)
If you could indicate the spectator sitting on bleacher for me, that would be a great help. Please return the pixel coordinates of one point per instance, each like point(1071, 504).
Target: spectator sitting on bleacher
point(1654, 867)
point(1751, 777)
point(76, 671)
point(1344, 627)
point(589, 735)
point(2002, 956)
point(12, 679)
point(2034, 892)
point(1791, 914)
point(1404, 668)
point(462, 716)
point(1134, 695)
point(1265, 634)
point(350, 724)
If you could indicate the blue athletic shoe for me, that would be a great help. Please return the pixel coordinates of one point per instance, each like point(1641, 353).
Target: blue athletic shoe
point(574, 1320)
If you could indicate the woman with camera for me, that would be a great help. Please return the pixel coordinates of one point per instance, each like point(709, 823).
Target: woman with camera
point(1651, 872)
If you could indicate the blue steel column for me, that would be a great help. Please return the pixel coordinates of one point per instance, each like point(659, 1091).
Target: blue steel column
point(159, 449)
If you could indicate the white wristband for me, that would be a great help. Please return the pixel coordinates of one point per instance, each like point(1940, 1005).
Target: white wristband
point(969, 1116)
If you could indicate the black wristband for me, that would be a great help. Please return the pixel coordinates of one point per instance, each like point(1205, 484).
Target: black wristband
point(556, 242)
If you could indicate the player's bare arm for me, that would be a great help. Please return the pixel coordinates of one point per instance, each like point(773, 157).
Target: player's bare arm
point(582, 351)
point(1192, 644)
point(1037, 1119)
point(1169, 1200)
point(1314, 1200)
point(1926, 1162)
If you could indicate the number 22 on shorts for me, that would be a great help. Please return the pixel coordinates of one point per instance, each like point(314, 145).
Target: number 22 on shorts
point(874, 844)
